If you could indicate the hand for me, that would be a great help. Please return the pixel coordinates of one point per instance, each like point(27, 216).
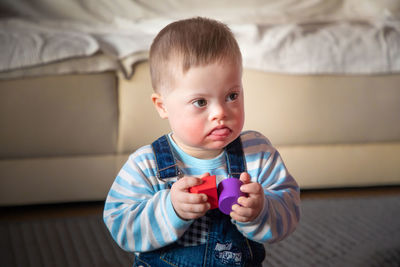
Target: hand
point(189, 206)
point(251, 206)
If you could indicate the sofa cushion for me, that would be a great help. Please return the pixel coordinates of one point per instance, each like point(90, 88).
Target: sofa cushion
point(323, 109)
point(58, 115)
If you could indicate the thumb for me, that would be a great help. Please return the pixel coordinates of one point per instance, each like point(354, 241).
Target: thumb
point(205, 175)
point(187, 182)
point(245, 178)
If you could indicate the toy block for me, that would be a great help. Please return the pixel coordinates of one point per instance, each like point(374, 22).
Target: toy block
point(229, 193)
point(208, 187)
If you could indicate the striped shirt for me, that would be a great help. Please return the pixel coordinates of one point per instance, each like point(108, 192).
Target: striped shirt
point(139, 213)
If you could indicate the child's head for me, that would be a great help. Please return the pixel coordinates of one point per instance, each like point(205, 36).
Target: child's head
point(189, 43)
point(197, 77)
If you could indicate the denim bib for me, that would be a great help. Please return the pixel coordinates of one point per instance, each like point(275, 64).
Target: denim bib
point(225, 245)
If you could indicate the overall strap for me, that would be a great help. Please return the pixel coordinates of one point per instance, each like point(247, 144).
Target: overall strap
point(166, 164)
point(235, 159)
point(167, 167)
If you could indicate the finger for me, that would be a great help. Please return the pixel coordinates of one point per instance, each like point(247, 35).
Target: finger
point(242, 211)
point(189, 198)
point(251, 202)
point(251, 188)
point(245, 177)
point(246, 202)
point(195, 208)
point(238, 216)
point(189, 212)
point(186, 182)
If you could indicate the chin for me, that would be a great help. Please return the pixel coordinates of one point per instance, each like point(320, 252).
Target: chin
point(220, 144)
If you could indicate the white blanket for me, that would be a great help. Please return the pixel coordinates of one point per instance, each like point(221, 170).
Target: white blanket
point(286, 36)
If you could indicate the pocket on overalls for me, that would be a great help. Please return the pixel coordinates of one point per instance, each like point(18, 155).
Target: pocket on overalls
point(149, 259)
point(140, 261)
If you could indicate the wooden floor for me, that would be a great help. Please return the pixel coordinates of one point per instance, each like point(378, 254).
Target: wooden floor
point(32, 212)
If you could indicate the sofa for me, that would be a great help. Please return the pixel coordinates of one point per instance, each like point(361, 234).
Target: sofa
point(63, 138)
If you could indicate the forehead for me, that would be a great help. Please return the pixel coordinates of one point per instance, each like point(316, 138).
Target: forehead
point(173, 72)
point(215, 77)
point(177, 67)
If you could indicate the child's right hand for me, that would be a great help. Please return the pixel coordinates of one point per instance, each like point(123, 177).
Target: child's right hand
point(189, 206)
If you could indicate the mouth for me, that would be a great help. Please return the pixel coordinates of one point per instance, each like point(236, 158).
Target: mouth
point(220, 133)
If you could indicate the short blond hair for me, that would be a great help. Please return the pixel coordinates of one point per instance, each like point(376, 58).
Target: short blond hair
point(190, 43)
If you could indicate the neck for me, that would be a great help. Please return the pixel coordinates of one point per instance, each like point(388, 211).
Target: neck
point(202, 154)
point(198, 152)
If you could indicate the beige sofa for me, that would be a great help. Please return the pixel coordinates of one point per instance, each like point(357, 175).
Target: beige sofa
point(63, 138)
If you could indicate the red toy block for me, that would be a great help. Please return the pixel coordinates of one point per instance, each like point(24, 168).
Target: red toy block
point(208, 187)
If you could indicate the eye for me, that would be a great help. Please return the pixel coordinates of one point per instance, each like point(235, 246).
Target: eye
point(232, 97)
point(200, 103)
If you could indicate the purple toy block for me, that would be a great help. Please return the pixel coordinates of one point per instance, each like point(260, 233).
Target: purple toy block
point(229, 192)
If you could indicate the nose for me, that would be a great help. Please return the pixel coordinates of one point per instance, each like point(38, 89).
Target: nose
point(218, 112)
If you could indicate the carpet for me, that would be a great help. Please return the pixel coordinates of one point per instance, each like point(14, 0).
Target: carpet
point(362, 231)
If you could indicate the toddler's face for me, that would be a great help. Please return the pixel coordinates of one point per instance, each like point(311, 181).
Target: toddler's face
point(205, 108)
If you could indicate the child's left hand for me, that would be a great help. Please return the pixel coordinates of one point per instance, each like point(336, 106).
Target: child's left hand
point(251, 206)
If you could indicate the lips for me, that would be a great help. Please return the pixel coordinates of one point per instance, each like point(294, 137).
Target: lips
point(220, 133)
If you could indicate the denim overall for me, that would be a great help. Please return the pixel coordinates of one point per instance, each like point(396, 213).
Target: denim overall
point(225, 245)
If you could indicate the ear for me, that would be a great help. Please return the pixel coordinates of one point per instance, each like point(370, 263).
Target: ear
point(158, 103)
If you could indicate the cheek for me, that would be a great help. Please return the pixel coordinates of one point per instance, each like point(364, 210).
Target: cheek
point(191, 131)
point(188, 127)
point(241, 119)
point(239, 116)
point(193, 127)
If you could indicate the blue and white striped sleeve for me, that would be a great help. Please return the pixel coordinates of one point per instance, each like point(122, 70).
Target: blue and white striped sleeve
point(138, 210)
point(281, 210)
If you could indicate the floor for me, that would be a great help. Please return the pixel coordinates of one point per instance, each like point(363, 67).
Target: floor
point(87, 208)
point(350, 192)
